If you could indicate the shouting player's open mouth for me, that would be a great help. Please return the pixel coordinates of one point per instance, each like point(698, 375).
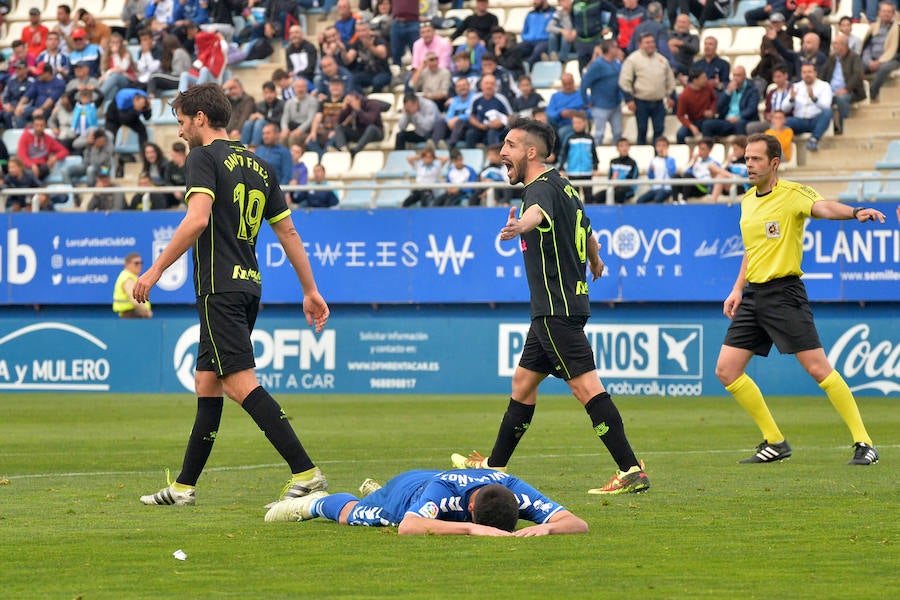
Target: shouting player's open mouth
point(510, 169)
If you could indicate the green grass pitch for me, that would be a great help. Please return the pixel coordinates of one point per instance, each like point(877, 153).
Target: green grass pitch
point(72, 468)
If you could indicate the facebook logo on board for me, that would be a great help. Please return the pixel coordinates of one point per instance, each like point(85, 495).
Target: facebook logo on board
point(637, 351)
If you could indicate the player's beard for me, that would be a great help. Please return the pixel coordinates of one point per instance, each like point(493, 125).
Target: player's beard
point(516, 170)
point(194, 140)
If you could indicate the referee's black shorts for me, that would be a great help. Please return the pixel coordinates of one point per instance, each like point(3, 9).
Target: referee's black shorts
point(558, 346)
point(776, 311)
point(226, 322)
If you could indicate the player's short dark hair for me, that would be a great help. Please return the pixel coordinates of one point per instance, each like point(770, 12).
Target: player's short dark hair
point(268, 86)
point(661, 138)
point(455, 153)
point(279, 74)
point(542, 132)
point(708, 142)
point(695, 73)
point(781, 68)
point(496, 506)
point(773, 146)
point(208, 98)
point(131, 256)
point(740, 141)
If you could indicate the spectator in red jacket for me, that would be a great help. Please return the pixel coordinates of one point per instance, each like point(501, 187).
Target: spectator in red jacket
point(40, 152)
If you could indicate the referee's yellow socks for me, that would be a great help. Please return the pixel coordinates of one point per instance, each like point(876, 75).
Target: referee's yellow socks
point(747, 394)
point(841, 398)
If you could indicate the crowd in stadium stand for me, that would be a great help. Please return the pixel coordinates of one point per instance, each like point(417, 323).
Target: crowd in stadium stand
point(72, 81)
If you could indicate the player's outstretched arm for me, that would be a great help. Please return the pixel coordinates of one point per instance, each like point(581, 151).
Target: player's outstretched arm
point(561, 522)
point(532, 217)
point(837, 211)
point(192, 225)
point(416, 525)
point(314, 306)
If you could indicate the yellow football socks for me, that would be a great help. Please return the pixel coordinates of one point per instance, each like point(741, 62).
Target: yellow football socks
point(841, 398)
point(307, 475)
point(747, 394)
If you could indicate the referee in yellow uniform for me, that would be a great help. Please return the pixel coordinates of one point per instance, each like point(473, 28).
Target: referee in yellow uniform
point(769, 304)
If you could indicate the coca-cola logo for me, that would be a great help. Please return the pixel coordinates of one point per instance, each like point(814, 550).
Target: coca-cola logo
point(878, 361)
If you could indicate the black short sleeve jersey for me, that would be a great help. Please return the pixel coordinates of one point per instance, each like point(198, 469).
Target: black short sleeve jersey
point(555, 251)
point(245, 191)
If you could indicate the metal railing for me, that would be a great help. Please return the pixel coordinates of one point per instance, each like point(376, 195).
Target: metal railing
point(730, 197)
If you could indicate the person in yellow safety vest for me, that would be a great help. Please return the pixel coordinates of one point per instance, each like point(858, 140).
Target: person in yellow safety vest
point(123, 299)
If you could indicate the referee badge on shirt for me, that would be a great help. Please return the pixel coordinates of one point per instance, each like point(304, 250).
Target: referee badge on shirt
point(773, 230)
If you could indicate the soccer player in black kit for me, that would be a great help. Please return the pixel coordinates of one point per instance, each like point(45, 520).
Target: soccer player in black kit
point(557, 244)
point(229, 193)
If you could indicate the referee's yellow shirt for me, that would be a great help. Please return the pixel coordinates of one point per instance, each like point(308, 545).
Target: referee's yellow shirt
point(772, 229)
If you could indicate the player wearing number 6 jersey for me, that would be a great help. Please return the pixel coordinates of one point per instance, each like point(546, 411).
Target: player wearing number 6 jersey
point(230, 191)
point(557, 244)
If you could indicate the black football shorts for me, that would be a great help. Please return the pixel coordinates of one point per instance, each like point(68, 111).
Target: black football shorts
point(774, 312)
point(226, 322)
point(558, 346)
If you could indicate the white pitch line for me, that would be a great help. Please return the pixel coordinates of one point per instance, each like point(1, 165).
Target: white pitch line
point(401, 460)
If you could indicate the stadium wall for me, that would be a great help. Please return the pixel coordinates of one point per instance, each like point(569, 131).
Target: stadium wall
point(654, 254)
point(641, 349)
point(430, 301)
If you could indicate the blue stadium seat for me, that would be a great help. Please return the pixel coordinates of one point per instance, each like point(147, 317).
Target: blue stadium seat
point(161, 112)
point(396, 165)
point(861, 190)
point(56, 175)
point(891, 190)
point(127, 140)
point(474, 157)
point(891, 159)
point(360, 195)
point(11, 140)
point(391, 198)
point(545, 73)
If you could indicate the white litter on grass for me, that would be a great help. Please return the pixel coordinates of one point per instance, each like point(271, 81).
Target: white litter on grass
point(179, 554)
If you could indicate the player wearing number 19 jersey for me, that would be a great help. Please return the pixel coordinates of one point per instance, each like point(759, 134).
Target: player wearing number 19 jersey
point(557, 246)
point(229, 193)
point(245, 192)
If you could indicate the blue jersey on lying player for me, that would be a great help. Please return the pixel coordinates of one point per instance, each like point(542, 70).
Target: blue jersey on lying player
point(444, 495)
